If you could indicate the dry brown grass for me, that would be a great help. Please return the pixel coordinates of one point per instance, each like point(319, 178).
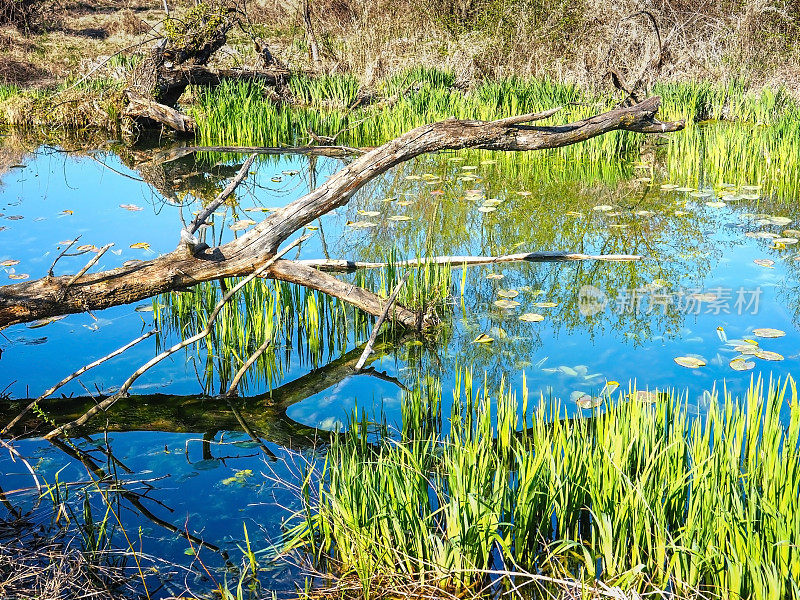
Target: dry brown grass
point(569, 41)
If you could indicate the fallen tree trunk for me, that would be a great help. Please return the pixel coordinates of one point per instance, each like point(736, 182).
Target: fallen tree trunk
point(187, 265)
point(332, 265)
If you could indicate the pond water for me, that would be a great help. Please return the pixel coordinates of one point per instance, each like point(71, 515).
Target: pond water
point(719, 265)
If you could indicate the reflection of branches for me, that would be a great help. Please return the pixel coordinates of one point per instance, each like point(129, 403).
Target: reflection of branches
point(123, 390)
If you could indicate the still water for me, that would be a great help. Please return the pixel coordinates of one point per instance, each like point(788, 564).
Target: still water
point(717, 281)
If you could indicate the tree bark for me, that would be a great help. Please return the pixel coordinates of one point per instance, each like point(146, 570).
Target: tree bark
point(183, 268)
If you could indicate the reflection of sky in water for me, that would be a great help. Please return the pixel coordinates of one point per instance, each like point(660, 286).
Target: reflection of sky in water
point(568, 351)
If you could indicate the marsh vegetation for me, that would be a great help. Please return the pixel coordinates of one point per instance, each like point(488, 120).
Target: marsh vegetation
point(400, 300)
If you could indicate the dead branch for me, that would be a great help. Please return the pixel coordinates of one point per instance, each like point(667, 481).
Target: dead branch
point(200, 219)
point(347, 266)
point(123, 390)
point(233, 389)
point(88, 265)
point(69, 378)
point(31, 300)
point(373, 336)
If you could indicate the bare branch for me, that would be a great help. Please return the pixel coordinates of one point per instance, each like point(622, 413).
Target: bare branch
point(332, 265)
point(77, 373)
point(105, 404)
point(373, 336)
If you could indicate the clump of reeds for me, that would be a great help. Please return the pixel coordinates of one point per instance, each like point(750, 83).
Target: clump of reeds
point(639, 495)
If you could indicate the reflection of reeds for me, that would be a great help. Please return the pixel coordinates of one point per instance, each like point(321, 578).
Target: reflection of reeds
point(642, 496)
point(307, 325)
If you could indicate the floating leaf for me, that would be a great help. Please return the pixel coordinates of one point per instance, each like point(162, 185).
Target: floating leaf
point(495, 276)
point(689, 362)
point(242, 224)
point(545, 304)
point(506, 303)
point(531, 317)
point(43, 322)
point(139, 246)
point(361, 224)
point(767, 355)
point(492, 202)
point(779, 220)
point(369, 213)
point(9, 263)
point(507, 293)
point(746, 349)
point(768, 332)
point(87, 248)
point(786, 241)
point(644, 396)
point(18, 275)
point(131, 207)
point(400, 218)
point(586, 402)
point(486, 209)
point(684, 189)
point(715, 204)
point(740, 364)
point(603, 207)
point(765, 262)
point(667, 187)
point(144, 308)
point(482, 339)
point(609, 388)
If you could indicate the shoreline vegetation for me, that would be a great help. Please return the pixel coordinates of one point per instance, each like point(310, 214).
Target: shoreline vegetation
point(639, 496)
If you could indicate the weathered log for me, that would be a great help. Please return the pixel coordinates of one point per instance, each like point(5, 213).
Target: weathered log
point(140, 107)
point(28, 301)
point(333, 265)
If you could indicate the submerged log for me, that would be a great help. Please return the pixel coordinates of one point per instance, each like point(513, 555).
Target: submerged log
point(185, 267)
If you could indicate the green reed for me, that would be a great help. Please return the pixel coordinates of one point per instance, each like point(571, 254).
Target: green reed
point(648, 497)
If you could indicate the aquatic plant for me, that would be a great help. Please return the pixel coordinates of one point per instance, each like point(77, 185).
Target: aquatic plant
point(639, 493)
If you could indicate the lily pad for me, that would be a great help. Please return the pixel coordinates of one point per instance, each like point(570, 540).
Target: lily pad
point(483, 339)
point(603, 207)
point(495, 276)
point(242, 224)
point(740, 364)
point(486, 209)
point(587, 402)
point(507, 293)
point(765, 262)
point(767, 355)
point(400, 218)
point(768, 332)
point(506, 303)
point(369, 213)
point(545, 304)
point(137, 245)
point(361, 224)
point(645, 396)
point(690, 362)
point(9, 263)
point(531, 317)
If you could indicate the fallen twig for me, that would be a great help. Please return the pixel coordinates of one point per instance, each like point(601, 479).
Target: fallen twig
point(379, 322)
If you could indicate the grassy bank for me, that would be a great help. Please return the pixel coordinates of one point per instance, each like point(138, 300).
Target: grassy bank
point(640, 493)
